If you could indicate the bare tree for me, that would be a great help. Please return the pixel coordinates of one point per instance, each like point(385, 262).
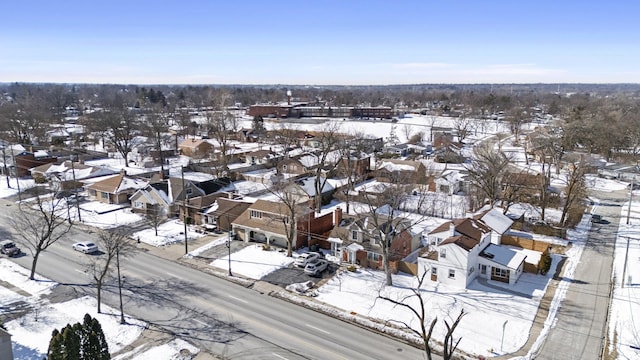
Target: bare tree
point(420, 313)
point(223, 126)
point(575, 189)
point(156, 127)
point(486, 171)
point(382, 206)
point(110, 242)
point(463, 127)
point(120, 127)
point(291, 206)
point(328, 142)
point(155, 215)
point(40, 226)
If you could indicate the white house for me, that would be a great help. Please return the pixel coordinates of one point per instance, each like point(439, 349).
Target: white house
point(461, 250)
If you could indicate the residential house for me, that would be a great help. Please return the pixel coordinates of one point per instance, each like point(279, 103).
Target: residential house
point(449, 182)
point(401, 171)
point(401, 150)
point(152, 200)
point(224, 211)
point(115, 189)
point(199, 196)
point(359, 238)
point(268, 222)
point(307, 188)
point(461, 250)
point(68, 175)
point(497, 221)
point(259, 157)
point(356, 164)
point(195, 148)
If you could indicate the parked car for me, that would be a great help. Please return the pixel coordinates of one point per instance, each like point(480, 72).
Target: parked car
point(596, 219)
point(86, 247)
point(316, 267)
point(304, 259)
point(8, 248)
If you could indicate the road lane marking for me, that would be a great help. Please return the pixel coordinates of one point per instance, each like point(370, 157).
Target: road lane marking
point(315, 328)
point(201, 322)
point(81, 271)
point(238, 299)
point(279, 356)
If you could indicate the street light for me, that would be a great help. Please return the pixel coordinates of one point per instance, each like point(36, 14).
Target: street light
point(229, 248)
point(184, 220)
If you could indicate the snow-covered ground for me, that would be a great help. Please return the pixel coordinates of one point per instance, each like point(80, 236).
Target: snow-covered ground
point(624, 318)
point(31, 332)
point(169, 232)
point(254, 262)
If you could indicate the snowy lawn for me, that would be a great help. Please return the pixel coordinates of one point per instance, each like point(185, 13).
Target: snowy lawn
point(169, 232)
point(32, 332)
point(254, 262)
point(13, 190)
point(487, 309)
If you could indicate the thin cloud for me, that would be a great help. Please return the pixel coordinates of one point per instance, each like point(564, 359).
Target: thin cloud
point(423, 66)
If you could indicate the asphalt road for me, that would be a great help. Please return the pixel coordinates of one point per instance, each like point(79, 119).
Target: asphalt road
point(222, 317)
point(579, 331)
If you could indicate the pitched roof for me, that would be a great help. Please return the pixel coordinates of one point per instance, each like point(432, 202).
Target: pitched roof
point(496, 220)
point(117, 183)
point(472, 228)
point(462, 241)
point(193, 143)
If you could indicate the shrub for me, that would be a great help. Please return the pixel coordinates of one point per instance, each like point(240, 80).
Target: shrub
point(266, 247)
point(352, 268)
point(545, 262)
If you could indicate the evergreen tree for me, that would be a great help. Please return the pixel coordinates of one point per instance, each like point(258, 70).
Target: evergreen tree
point(80, 341)
point(55, 346)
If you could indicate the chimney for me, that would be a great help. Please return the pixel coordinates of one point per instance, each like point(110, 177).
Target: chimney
point(337, 216)
point(452, 229)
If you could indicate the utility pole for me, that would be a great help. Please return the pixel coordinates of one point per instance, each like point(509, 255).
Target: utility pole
point(4, 163)
point(184, 207)
point(229, 244)
point(122, 321)
point(75, 190)
point(15, 169)
point(630, 197)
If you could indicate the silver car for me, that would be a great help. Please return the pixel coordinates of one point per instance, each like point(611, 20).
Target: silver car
point(86, 247)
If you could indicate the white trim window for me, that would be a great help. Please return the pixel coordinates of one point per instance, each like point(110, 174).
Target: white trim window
point(452, 274)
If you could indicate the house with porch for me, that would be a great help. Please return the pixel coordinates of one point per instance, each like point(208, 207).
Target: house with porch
point(115, 189)
point(461, 250)
point(359, 238)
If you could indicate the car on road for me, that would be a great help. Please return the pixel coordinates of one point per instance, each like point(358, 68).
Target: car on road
point(304, 259)
point(596, 219)
point(86, 247)
point(8, 248)
point(316, 267)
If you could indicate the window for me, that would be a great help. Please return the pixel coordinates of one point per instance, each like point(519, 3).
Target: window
point(189, 192)
point(483, 269)
point(452, 274)
point(354, 235)
point(138, 205)
point(434, 271)
point(104, 195)
point(443, 253)
point(254, 214)
point(284, 167)
point(502, 273)
point(371, 256)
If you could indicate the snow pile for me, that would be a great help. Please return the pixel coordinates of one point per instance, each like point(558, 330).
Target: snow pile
point(301, 288)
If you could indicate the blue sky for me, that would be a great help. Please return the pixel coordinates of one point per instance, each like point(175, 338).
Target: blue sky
point(319, 42)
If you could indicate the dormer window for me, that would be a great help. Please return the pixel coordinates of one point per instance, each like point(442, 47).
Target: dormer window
point(254, 214)
point(443, 253)
point(354, 235)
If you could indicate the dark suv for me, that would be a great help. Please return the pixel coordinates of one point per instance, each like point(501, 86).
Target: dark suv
point(8, 248)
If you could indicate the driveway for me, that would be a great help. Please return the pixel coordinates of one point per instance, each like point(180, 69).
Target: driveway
point(294, 275)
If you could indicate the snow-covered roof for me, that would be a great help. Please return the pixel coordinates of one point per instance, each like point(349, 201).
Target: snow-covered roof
point(497, 221)
point(392, 167)
point(308, 186)
point(504, 256)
